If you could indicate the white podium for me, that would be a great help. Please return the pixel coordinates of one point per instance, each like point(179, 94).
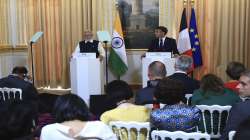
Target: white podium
point(85, 73)
point(163, 57)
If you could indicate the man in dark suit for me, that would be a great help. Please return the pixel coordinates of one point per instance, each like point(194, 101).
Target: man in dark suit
point(89, 45)
point(239, 111)
point(156, 71)
point(162, 43)
point(17, 80)
point(183, 65)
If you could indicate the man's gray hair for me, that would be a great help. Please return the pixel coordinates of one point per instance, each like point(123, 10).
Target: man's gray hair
point(157, 69)
point(183, 63)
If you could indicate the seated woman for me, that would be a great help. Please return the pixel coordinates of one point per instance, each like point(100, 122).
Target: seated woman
point(119, 93)
point(175, 115)
point(71, 114)
point(212, 92)
point(234, 69)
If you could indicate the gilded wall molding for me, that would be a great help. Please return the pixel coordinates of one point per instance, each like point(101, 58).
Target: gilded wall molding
point(5, 48)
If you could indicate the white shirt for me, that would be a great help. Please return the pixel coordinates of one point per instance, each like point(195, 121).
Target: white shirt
point(163, 40)
point(100, 49)
point(58, 131)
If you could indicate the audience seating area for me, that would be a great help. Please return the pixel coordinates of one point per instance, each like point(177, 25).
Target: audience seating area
point(210, 127)
point(118, 126)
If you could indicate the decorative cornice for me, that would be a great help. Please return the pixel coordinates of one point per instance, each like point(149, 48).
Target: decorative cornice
point(5, 48)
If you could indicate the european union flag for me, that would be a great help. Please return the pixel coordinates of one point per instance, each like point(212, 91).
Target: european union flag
point(194, 39)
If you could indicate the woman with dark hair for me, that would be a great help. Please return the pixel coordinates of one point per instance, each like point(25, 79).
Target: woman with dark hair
point(119, 93)
point(212, 92)
point(175, 115)
point(72, 115)
point(17, 121)
point(234, 70)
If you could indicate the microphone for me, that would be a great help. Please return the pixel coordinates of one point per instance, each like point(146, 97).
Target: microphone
point(35, 37)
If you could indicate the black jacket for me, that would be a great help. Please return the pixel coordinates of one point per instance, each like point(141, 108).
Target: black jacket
point(169, 45)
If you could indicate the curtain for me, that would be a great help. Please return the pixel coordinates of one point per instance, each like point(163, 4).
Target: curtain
point(223, 26)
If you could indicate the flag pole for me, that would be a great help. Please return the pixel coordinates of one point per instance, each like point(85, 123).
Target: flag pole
point(106, 61)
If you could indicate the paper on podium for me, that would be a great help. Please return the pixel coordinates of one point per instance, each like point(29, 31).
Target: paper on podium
point(158, 54)
point(87, 55)
point(36, 36)
point(103, 36)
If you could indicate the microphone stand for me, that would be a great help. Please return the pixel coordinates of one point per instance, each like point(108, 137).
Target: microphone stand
point(32, 64)
point(106, 62)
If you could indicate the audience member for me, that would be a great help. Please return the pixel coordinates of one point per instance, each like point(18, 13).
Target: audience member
point(212, 92)
point(242, 132)
point(175, 115)
point(17, 80)
point(183, 65)
point(17, 123)
point(72, 115)
point(239, 111)
point(45, 108)
point(119, 93)
point(234, 69)
point(156, 71)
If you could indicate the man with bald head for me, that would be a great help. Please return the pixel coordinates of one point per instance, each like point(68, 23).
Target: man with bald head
point(156, 71)
point(88, 45)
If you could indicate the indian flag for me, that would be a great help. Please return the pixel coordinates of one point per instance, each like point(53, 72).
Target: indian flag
point(118, 59)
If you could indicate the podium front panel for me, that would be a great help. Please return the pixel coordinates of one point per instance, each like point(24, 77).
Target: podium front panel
point(85, 77)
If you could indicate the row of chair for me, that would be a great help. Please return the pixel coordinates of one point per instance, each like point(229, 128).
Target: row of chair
point(117, 126)
point(10, 94)
point(208, 112)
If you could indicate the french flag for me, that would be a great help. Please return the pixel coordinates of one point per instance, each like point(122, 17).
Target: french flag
point(183, 44)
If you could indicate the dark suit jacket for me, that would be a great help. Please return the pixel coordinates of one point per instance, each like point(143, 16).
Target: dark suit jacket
point(29, 91)
point(168, 46)
point(238, 113)
point(189, 83)
point(146, 95)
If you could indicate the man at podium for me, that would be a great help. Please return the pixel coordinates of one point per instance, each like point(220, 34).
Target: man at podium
point(162, 43)
point(89, 45)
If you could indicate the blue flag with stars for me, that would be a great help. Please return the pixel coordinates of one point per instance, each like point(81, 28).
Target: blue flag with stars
point(194, 39)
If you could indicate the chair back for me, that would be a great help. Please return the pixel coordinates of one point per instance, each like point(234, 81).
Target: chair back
point(231, 135)
point(129, 127)
point(209, 118)
point(188, 97)
point(162, 135)
point(151, 106)
point(10, 94)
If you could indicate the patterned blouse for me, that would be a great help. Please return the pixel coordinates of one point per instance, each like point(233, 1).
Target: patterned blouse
point(175, 117)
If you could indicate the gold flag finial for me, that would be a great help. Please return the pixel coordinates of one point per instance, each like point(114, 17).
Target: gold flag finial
point(184, 2)
point(116, 4)
point(192, 2)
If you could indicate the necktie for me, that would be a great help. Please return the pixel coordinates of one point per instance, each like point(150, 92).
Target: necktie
point(161, 43)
